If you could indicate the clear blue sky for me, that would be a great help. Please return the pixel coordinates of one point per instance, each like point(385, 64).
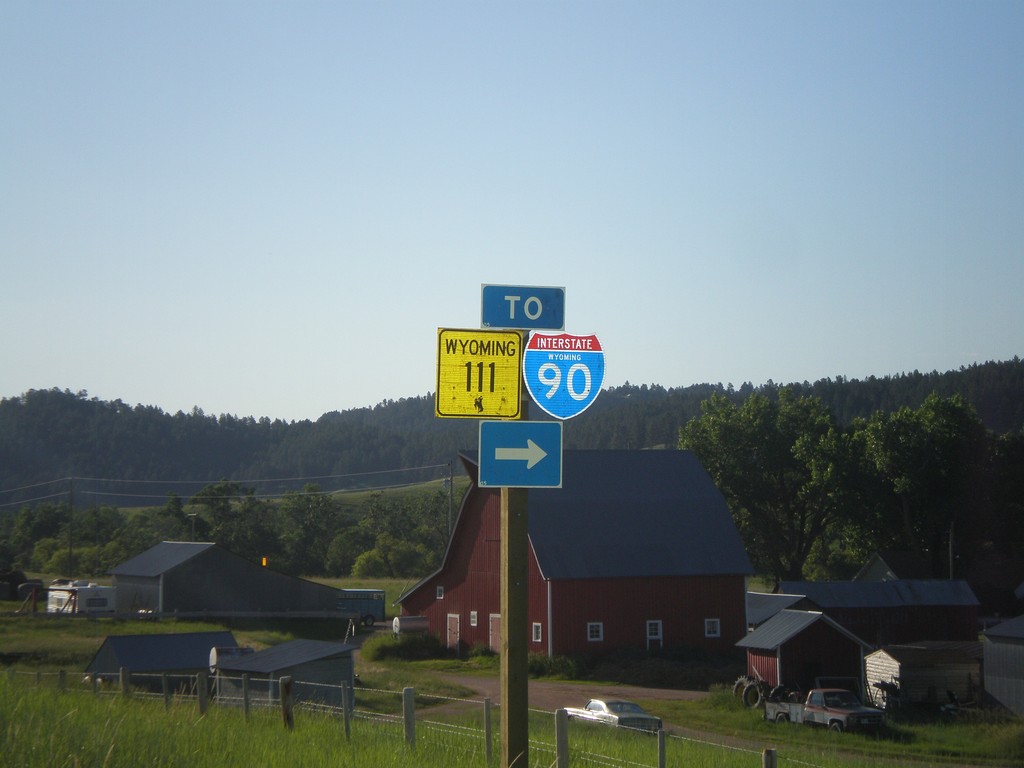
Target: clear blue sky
point(268, 209)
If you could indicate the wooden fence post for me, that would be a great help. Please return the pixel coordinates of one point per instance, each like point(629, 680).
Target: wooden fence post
point(95, 679)
point(62, 681)
point(165, 688)
point(245, 695)
point(346, 708)
point(409, 715)
point(202, 691)
point(769, 759)
point(661, 748)
point(287, 713)
point(123, 676)
point(487, 731)
point(561, 738)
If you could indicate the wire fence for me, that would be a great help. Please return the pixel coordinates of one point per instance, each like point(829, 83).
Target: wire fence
point(455, 724)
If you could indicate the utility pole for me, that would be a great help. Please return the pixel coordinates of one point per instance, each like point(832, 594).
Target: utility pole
point(514, 661)
point(71, 519)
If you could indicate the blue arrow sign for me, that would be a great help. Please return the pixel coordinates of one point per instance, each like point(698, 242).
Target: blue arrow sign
point(520, 454)
point(522, 306)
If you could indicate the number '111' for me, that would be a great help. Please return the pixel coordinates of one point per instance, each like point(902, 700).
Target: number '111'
point(479, 377)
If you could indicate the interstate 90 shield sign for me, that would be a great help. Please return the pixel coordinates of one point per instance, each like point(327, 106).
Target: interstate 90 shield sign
point(563, 372)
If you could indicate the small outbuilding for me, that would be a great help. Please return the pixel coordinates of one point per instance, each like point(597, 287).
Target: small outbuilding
point(317, 668)
point(797, 648)
point(147, 657)
point(183, 577)
point(924, 673)
point(892, 612)
point(1004, 664)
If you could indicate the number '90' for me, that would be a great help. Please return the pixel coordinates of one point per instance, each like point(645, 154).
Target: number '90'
point(550, 375)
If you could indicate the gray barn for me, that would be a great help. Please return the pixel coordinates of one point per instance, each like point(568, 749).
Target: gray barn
point(200, 577)
point(1004, 664)
point(180, 654)
point(317, 667)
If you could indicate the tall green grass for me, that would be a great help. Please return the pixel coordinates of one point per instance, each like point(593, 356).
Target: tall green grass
point(41, 727)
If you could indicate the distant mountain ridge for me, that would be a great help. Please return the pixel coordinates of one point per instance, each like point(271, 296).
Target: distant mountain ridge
point(46, 435)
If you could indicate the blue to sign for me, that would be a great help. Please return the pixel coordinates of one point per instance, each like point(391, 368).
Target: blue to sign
point(563, 373)
point(522, 306)
point(520, 454)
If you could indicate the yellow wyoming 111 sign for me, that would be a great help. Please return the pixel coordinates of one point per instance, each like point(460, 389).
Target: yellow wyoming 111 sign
point(478, 373)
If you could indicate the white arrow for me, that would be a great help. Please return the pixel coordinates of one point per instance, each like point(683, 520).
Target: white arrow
point(532, 453)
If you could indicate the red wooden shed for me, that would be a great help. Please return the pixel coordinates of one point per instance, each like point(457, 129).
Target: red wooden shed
point(796, 648)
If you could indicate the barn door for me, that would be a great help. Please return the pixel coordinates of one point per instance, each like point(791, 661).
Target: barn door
point(494, 632)
point(655, 639)
point(453, 631)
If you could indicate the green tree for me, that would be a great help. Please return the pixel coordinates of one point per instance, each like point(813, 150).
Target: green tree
point(780, 465)
point(308, 519)
point(934, 460)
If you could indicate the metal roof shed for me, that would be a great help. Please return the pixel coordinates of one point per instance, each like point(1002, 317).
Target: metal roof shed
point(205, 579)
point(795, 648)
point(181, 653)
point(317, 667)
point(890, 612)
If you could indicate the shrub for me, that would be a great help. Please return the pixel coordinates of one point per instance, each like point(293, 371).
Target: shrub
point(403, 647)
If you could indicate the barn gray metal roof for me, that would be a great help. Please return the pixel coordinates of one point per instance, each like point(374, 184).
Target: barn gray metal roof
point(161, 653)
point(632, 513)
point(285, 656)
point(787, 624)
point(160, 558)
point(761, 606)
point(883, 594)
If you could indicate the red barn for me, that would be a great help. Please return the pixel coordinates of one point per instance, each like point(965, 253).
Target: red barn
point(637, 549)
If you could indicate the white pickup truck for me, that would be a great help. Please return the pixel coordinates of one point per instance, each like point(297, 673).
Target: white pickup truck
point(833, 708)
point(624, 714)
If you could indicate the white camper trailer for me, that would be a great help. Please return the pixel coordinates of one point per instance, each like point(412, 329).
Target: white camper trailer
point(80, 597)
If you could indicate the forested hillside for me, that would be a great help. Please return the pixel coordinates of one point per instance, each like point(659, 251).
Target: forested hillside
point(817, 476)
point(47, 435)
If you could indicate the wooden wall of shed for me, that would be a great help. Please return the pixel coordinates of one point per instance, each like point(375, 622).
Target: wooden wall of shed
point(819, 651)
point(763, 664)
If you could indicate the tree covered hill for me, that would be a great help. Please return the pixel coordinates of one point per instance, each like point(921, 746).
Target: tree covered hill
point(46, 435)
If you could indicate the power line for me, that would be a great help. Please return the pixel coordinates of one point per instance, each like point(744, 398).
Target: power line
point(259, 481)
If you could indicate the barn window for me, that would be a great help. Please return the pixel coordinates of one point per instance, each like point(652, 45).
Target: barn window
point(472, 618)
point(538, 635)
point(712, 628)
point(595, 631)
point(440, 593)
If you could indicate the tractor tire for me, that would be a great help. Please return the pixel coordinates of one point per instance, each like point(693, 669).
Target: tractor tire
point(741, 682)
point(752, 697)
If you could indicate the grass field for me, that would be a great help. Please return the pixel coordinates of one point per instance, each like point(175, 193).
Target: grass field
point(42, 727)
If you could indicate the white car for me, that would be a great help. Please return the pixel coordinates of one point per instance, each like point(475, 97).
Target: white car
point(624, 714)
